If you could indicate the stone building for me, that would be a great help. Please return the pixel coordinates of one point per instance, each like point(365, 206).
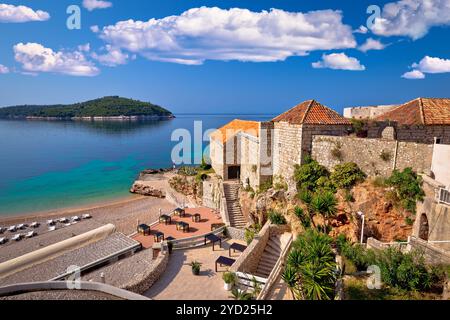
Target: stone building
point(423, 120)
point(294, 131)
point(241, 150)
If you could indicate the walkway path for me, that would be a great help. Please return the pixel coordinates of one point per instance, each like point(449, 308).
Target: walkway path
point(178, 282)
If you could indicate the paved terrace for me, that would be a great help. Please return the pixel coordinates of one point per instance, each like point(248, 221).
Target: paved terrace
point(208, 217)
point(178, 282)
point(78, 257)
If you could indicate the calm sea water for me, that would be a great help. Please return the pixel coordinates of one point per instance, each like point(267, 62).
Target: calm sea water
point(50, 165)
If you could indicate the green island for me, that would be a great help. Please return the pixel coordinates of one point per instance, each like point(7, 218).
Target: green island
point(106, 107)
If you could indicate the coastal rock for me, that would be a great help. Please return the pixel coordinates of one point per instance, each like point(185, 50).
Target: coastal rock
point(140, 187)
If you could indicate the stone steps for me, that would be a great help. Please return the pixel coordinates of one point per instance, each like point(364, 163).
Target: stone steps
point(235, 215)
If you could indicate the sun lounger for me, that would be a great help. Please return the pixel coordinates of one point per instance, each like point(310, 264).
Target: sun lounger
point(2, 230)
point(86, 216)
point(35, 225)
point(52, 228)
point(51, 222)
point(3, 240)
point(12, 229)
point(17, 237)
point(21, 226)
point(75, 218)
point(30, 234)
point(67, 225)
point(63, 220)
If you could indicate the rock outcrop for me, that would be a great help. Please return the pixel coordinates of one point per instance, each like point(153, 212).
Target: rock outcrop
point(146, 189)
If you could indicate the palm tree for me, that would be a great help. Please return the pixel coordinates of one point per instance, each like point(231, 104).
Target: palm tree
point(290, 277)
point(324, 203)
point(318, 281)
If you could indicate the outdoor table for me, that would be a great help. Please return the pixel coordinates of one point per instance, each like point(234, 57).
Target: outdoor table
point(236, 247)
point(224, 261)
point(166, 219)
point(213, 238)
point(183, 226)
point(143, 229)
point(179, 212)
point(196, 217)
point(159, 236)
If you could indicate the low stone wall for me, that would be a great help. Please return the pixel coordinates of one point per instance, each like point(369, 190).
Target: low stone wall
point(141, 283)
point(249, 259)
point(235, 233)
point(367, 154)
point(432, 254)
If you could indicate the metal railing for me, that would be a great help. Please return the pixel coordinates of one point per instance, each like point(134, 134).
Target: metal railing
point(195, 241)
point(276, 271)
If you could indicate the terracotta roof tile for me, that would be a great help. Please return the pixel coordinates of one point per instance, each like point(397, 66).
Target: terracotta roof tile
point(311, 112)
point(232, 128)
point(421, 111)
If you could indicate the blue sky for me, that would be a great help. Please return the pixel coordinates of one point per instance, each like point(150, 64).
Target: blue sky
point(267, 62)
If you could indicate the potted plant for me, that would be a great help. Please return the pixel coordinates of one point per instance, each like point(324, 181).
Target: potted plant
point(196, 267)
point(229, 279)
point(170, 246)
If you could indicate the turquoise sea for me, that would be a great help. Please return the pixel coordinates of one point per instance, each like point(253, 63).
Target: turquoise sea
point(47, 165)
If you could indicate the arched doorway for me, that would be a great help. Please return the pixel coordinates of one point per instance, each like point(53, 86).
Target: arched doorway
point(424, 227)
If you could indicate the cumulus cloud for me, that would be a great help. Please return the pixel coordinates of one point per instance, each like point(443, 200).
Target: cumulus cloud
point(371, 44)
point(206, 33)
point(339, 61)
point(428, 65)
point(36, 58)
point(11, 13)
point(113, 57)
point(3, 69)
point(91, 5)
point(415, 74)
point(84, 47)
point(412, 18)
point(95, 29)
point(362, 30)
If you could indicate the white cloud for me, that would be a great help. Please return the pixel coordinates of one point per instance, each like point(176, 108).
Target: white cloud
point(412, 18)
point(36, 58)
point(11, 13)
point(95, 29)
point(339, 61)
point(205, 33)
point(96, 4)
point(84, 47)
point(415, 74)
point(362, 30)
point(3, 69)
point(113, 57)
point(371, 44)
point(433, 65)
point(428, 65)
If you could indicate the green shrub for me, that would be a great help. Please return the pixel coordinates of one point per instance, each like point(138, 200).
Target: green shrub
point(229, 277)
point(251, 232)
point(325, 184)
point(346, 175)
point(379, 182)
point(385, 155)
point(277, 218)
point(305, 196)
point(324, 203)
point(407, 188)
point(205, 165)
point(188, 171)
point(303, 217)
point(265, 186)
point(409, 221)
point(306, 175)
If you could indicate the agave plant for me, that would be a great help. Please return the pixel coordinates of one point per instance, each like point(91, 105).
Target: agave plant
point(238, 294)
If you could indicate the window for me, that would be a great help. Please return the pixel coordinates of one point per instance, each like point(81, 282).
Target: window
point(437, 140)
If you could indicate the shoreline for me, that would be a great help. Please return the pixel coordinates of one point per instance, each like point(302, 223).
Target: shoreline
point(71, 210)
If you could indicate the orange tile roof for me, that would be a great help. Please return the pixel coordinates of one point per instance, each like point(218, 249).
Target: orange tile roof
point(311, 112)
point(420, 111)
point(232, 128)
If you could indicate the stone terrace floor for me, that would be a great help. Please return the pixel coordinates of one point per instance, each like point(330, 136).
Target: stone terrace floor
point(178, 282)
point(208, 217)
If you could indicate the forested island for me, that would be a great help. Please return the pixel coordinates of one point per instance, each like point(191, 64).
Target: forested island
point(113, 107)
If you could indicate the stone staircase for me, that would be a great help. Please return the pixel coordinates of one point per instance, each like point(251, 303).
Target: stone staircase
point(271, 253)
point(235, 215)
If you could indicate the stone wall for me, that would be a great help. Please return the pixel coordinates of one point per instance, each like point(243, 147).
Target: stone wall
point(432, 254)
point(236, 233)
point(369, 112)
point(216, 154)
point(249, 153)
point(367, 154)
point(249, 259)
point(441, 164)
point(413, 133)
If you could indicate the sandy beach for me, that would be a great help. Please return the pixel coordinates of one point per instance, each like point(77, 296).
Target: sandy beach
point(123, 213)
